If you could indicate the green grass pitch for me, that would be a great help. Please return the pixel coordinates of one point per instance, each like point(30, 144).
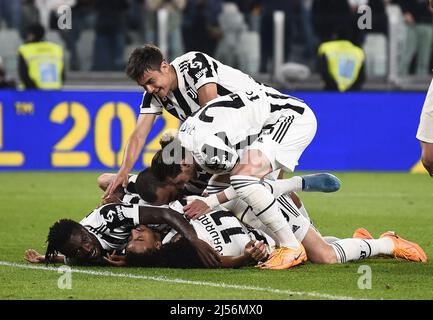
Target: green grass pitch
point(30, 202)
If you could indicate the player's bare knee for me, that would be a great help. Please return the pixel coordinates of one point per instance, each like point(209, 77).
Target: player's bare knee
point(324, 256)
point(104, 180)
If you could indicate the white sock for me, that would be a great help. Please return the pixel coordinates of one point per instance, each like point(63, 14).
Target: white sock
point(357, 249)
point(282, 186)
point(265, 207)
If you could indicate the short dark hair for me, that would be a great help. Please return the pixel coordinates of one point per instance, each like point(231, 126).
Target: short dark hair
point(37, 30)
point(59, 234)
point(147, 184)
point(144, 59)
point(168, 168)
point(179, 254)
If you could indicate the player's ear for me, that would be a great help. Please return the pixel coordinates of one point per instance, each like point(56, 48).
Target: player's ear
point(164, 66)
point(158, 244)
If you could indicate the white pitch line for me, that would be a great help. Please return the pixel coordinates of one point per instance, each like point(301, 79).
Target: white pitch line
point(182, 281)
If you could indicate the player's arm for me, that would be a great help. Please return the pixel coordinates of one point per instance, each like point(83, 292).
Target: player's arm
point(132, 151)
point(35, 257)
point(254, 251)
point(155, 215)
point(207, 93)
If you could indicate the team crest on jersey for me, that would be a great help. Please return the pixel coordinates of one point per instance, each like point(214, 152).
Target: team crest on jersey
point(199, 67)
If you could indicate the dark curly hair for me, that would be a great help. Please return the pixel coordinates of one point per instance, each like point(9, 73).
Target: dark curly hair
point(166, 162)
point(59, 234)
point(179, 254)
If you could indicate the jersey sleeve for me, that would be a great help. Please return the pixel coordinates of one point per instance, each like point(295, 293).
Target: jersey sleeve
point(202, 70)
point(150, 104)
point(130, 188)
point(131, 212)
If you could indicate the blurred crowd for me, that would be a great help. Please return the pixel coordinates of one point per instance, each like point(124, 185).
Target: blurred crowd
point(204, 25)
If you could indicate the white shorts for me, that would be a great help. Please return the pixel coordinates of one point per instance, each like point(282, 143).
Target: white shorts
point(284, 143)
point(425, 128)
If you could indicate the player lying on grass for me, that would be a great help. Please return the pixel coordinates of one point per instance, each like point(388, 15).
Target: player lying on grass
point(247, 134)
point(231, 237)
point(241, 245)
point(107, 228)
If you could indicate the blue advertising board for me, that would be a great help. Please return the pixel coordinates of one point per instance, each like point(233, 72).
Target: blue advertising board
point(87, 130)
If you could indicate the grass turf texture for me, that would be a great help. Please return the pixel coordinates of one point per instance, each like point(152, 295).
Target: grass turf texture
point(31, 202)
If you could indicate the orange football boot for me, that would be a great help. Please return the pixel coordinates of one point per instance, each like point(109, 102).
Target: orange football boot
point(405, 249)
point(362, 233)
point(284, 258)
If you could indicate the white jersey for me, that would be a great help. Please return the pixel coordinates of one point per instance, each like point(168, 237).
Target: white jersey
point(217, 134)
point(112, 224)
point(194, 70)
point(224, 232)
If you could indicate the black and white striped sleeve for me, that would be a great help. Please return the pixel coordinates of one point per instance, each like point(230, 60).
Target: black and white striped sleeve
point(150, 104)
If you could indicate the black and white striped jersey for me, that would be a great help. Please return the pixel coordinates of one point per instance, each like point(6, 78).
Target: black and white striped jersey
point(217, 134)
point(112, 224)
point(195, 69)
point(224, 232)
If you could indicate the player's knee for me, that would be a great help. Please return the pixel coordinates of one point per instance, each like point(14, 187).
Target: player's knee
point(104, 180)
point(324, 256)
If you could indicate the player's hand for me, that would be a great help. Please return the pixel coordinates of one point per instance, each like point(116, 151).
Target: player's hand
point(121, 179)
point(196, 208)
point(431, 4)
point(33, 256)
point(209, 257)
point(256, 250)
point(110, 199)
point(115, 260)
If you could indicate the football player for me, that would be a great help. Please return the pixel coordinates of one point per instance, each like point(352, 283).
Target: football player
point(181, 87)
point(425, 130)
point(241, 245)
point(248, 135)
point(108, 228)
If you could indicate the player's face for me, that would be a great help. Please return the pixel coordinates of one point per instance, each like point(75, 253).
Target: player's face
point(142, 239)
point(157, 81)
point(165, 195)
point(82, 246)
point(187, 173)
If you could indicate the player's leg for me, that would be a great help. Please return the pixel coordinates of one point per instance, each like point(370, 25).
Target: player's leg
point(402, 248)
point(427, 155)
point(425, 131)
point(245, 179)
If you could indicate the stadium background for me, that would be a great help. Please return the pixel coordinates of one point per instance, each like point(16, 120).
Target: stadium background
point(54, 144)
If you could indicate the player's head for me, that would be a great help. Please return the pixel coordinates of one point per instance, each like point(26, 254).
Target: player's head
point(147, 66)
point(145, 250)
point(35, 32)
point(143, 239)
point(154, 191)
point(72, 240)
point(173, 163)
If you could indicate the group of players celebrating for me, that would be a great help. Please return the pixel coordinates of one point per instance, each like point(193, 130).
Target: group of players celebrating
point(214, 195)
